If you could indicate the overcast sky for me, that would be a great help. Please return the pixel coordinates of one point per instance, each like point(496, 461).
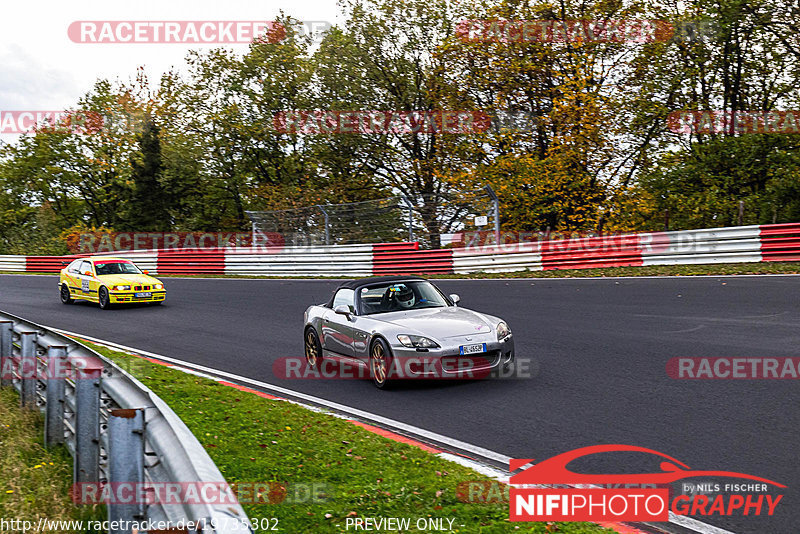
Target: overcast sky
point(43, 69)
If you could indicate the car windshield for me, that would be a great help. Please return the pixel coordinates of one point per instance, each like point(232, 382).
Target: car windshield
point(115, 267)
point(411, 295)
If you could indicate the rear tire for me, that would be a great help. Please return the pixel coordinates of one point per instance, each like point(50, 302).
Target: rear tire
point(66, 298)
point(103, 299)
point(313, 348)
point(380, 364)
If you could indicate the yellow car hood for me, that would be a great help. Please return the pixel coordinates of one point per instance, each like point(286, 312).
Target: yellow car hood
point(128, 279)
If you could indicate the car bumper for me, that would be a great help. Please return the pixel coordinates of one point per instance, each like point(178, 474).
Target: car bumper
point(129, 297)
point(448, 362)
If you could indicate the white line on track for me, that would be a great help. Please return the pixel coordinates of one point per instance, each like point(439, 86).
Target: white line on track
point(405, 428)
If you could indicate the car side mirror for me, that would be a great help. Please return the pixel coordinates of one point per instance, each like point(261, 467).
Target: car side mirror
point(343, 309)
point(455, 298)
point(87, 273)
point(145, 272)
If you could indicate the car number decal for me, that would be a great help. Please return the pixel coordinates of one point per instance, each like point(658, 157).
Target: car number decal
point(85, 286)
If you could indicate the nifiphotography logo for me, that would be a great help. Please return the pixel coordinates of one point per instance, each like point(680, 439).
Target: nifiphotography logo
point(630, 497)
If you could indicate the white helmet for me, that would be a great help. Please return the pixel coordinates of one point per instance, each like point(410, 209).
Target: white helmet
point(405, 296)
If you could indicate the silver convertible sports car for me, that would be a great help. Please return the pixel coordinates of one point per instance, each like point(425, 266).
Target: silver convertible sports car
point(405, 327)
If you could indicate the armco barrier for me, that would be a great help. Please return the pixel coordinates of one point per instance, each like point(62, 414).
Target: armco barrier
point(342, 260)
point(200, 261)
point(12, 263)
point(739, 244)
point(588, 252)
point(774, 242)
point(498, 259)
point(780, 242)
point(401, 258)
point(117, 430)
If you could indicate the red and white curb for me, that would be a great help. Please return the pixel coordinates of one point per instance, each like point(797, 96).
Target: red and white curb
point(363, 419)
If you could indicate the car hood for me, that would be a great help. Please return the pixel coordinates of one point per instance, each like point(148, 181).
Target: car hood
point(439, 323)
point(128, 279)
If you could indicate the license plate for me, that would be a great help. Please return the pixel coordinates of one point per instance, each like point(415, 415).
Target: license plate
point(477, 348)
point(143, 295)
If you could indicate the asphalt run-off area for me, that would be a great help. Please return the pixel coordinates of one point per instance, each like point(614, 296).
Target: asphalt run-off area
point(599, 347)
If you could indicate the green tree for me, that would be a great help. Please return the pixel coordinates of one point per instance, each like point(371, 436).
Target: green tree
point(147, 207)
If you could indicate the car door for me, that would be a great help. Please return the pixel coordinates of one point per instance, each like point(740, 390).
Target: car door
point(337, 329)
point(89, 283)
point(72, 277)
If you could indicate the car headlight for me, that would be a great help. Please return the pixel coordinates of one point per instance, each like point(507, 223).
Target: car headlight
point(158, 286)
point(417, 342)
point(122, 288)
point(503, 331)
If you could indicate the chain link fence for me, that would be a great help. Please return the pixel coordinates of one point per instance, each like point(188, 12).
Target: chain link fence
point(429, 218)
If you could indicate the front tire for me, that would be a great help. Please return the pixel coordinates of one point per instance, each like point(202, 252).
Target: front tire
point(103, 299)
point(380, 364)
point(66, 298)
point(313, 349)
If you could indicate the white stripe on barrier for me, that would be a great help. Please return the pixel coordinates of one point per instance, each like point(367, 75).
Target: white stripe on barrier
point(335, 260)
point(13, 263)
point(740, 244)
point(498, 258)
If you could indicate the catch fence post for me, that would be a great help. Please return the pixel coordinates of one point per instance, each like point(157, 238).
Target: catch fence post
point(495, 212)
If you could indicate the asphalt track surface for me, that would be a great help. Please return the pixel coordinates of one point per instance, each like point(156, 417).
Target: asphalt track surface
point(601, 346)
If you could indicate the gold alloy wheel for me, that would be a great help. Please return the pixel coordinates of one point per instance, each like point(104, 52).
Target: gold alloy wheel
point(311, 348)
point(378, 363)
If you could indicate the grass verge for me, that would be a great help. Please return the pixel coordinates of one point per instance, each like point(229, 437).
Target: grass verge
point(650, 270)
point(362, 474)
point(34, 482)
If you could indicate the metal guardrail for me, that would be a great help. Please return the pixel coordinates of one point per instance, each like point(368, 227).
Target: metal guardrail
point(117, 430)
point(775, 242)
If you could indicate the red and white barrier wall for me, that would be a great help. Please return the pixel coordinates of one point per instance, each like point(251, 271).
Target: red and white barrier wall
point(775, 242)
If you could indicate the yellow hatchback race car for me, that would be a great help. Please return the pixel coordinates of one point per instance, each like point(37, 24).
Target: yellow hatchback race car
point(108, 281)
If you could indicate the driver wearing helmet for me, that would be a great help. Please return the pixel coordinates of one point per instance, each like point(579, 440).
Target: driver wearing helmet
point(404, 297)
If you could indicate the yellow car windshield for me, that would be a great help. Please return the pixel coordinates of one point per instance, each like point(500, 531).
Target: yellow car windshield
point(115, 267)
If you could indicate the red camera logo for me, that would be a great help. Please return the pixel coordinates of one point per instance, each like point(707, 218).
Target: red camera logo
point(626, 503)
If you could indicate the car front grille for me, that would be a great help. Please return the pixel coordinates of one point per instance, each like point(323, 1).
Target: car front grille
point(472, 362)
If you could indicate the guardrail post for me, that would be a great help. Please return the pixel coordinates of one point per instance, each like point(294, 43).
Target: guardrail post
point(5, 352)
point(54, 395)
point(87, 426)
point(126, 464)
point(28, 371)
